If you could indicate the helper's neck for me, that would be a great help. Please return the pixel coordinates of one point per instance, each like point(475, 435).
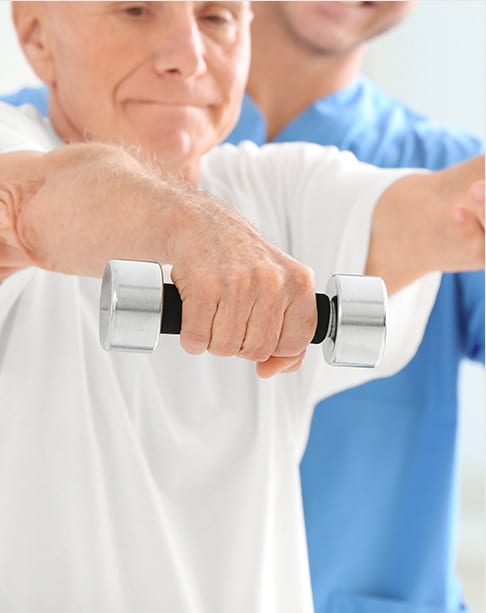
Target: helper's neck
point(286, 78)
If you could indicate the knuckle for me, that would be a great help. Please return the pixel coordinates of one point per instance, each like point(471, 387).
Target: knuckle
point(194, 342)
point(269, 275)
point(304, 279)
point(238, 280)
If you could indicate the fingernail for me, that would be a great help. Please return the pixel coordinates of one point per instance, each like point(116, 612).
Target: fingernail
point(477, 191)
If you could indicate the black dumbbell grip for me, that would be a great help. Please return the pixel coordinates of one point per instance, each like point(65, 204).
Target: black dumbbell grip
point(172, 313)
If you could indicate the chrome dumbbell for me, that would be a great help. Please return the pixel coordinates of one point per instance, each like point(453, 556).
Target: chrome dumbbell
point(136, 306)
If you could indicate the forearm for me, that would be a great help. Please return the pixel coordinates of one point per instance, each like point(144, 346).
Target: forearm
point(73, 209)
point(428, 222)
point(396, 252)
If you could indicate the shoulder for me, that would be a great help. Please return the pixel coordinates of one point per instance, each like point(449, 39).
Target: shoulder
point(410, 138)
point(383, 131)
point(272, 168)
point(36, 96)
point(24, 128)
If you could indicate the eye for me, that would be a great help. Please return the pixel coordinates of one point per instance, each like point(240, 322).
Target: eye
point(218, 19)
point(219, 16)
point(136, 10)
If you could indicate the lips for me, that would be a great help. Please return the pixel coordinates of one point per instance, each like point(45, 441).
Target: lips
point(165, 103)
point(343, 9)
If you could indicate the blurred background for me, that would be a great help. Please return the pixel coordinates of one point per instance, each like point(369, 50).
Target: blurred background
point(435, 62)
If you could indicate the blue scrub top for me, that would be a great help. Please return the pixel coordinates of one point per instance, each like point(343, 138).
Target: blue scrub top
point(379, 475)
point(37, 96)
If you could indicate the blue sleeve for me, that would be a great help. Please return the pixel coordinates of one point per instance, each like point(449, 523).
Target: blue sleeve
point(436, 148)
point(37, 96)
point(471, 289)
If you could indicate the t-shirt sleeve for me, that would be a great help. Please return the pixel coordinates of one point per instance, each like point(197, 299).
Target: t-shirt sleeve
point(23, 129)
point(317, 204)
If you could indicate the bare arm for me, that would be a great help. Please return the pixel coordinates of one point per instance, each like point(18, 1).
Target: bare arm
point(73, 209)
point(429, 222)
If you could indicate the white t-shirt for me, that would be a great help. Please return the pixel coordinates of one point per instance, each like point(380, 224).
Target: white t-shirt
point(167, 482)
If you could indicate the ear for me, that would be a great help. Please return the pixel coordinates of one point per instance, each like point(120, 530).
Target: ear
point(31, 24)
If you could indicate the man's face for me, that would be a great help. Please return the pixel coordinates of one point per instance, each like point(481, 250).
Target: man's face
point(165, 76)
point(336, 27)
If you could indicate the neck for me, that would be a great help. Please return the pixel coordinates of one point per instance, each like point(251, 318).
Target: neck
point(286, 77)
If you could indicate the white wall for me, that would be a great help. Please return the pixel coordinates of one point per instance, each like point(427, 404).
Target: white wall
point(14, 70)
point(436, 63)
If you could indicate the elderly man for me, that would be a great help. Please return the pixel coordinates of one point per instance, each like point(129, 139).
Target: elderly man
point(170, 483)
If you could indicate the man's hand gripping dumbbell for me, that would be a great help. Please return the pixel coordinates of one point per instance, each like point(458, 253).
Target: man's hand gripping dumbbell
point(137, 306)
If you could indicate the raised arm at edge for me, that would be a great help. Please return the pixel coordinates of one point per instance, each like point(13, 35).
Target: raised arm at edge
point(429, 222)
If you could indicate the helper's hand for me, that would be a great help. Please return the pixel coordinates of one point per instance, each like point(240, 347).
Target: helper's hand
point(75, 208)
point(468, 216)
point(429, 222)
point(461, 233)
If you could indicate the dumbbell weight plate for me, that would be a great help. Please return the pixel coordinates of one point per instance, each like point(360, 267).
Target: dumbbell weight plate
point(358, 328)
point(352, 315)
point(131, 306)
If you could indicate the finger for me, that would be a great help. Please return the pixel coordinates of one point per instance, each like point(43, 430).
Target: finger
point(296, 366)
point(263, 330)
point(300, 319)
point(478, 196)
point(298, 328)
point(230, 324)
point(196, 323)
point(275, 365)
point(471, 234)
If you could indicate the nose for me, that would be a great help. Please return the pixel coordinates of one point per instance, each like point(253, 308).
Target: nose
point(179, 46)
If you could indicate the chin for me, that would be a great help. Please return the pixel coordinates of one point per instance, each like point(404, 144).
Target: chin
point(170, 159)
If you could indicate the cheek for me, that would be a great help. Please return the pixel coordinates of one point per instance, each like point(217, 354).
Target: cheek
point(235, 88)
point(238, 72)
point(231, 74)
point(89, 66)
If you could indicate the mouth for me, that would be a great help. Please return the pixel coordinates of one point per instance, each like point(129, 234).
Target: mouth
point(167, 104)
point(343, 9)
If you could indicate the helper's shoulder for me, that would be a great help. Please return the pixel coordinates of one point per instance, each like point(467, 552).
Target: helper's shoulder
point(35, 96)
point(407, 137)
point(24, 129)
